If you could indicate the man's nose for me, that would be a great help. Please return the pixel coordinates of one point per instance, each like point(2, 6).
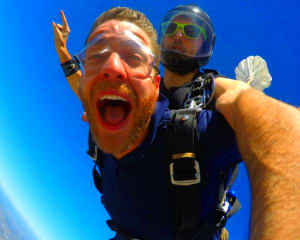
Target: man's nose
point(178, 35)
point(113, 68)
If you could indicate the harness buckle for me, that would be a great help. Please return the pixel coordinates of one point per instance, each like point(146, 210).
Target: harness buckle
point(184, 170)
point(202, 92)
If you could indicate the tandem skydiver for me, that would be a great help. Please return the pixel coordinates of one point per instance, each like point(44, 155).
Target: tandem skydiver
point(118, 94)
point(187, 39)
point(119, 89)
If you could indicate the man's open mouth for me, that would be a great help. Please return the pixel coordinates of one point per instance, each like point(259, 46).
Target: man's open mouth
point(113, 110)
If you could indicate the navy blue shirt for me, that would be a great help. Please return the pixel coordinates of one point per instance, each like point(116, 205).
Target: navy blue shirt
point(176, 95)
point(135, 187)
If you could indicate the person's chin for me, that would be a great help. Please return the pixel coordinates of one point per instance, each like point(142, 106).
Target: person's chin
point(114, 144)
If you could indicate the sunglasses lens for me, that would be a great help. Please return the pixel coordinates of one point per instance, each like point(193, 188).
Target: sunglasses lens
point(171, 28)
point(192, 31)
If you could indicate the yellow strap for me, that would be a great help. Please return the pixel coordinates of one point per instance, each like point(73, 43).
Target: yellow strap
point(183, 155)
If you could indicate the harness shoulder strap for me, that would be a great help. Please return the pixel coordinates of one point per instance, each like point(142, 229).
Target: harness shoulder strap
point(202, 91)
point(185, 171)
point(97, 179)
point(187, 178)
point(96, 155)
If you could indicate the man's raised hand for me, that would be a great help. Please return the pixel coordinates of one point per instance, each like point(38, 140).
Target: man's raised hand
point(61, 32)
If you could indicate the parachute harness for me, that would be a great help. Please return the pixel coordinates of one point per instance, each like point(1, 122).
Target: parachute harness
point(202, 91)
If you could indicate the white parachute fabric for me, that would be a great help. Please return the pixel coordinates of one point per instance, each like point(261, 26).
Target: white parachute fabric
point(254, 71)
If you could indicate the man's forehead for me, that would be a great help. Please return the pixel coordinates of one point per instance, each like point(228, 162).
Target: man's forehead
point(183, 18)
point(112, 27)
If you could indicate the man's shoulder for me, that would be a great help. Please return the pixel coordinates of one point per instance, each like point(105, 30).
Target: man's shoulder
point(162, 111)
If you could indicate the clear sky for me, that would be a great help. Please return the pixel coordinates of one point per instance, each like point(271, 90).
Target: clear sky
point(44, 168)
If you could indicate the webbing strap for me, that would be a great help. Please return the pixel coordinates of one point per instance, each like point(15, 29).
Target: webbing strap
point(182, 134)
point(97, 179)
point(92, 150)
point(235, 205)
point(233, 176)
point(96, 155)
point(202, 92)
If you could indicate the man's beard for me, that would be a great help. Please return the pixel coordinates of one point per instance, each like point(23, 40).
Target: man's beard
point(141, 120)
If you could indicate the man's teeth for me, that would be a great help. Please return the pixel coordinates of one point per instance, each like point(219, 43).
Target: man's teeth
point(113, 97)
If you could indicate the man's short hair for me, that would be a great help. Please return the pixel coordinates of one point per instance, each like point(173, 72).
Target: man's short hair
point(132, 16)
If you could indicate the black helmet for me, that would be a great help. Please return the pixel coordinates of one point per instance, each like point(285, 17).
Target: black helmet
point(199, 29)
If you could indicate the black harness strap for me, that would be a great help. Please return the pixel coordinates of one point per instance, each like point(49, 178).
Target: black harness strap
point(185, 172)
point(186, 177)
point(202, 91)
point(96, 155)
point(97, 179)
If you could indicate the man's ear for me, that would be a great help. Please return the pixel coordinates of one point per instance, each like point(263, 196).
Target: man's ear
point(84, 117)
point(157, 80)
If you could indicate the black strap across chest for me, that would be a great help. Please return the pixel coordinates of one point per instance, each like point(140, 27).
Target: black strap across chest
point(185, 171)
point(187, 176)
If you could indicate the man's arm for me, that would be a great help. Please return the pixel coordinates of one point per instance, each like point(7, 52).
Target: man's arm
point(268, 134)
point(61, 33)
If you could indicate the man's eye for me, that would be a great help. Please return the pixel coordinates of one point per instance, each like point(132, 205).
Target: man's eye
point(134, 59)
point(93, 58)
point(137, 57)
point(100, 56)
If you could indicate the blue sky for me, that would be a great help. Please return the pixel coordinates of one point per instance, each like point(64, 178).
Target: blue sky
point(43, 166)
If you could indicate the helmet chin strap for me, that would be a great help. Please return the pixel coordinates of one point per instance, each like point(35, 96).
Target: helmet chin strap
point(179, 69)
point(179, 64)
point(176, 63)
